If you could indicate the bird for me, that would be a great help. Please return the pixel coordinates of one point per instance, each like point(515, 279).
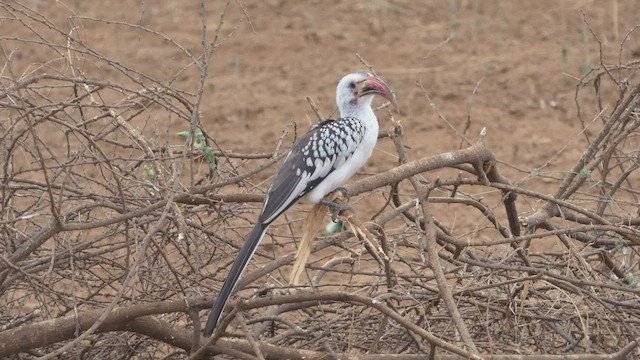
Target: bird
point(317, 164)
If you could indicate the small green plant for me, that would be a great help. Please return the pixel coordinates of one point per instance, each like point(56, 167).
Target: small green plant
point(585, 173)
point(149, 173)
point(632, 281)
point(334, 228)
point(200, 143)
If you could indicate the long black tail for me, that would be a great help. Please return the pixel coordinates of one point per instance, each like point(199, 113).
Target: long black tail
point(245, 254)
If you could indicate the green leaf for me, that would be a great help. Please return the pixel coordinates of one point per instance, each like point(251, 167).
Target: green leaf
point(149, 172)
point(184, 134)
point(210, 157)
point(586, 173)
point(198, 139)
point(333, 228)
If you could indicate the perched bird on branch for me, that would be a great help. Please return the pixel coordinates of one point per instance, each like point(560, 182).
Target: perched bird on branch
point(318, 163)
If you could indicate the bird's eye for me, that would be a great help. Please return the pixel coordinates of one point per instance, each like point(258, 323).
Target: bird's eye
point(352, 85)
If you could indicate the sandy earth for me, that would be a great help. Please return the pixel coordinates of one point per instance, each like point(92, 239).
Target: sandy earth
point(509, 66)
point(523, 57)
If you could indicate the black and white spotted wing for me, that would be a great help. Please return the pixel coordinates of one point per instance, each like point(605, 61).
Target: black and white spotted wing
point(326, 147)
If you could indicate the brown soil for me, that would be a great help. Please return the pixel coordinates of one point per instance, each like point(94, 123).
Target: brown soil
point(522, 58)
point(511, 67)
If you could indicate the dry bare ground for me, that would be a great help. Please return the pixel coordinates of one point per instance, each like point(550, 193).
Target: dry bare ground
point(122, 206)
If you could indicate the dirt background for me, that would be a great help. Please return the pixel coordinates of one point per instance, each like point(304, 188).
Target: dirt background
point(523, 58)
point(510, 66)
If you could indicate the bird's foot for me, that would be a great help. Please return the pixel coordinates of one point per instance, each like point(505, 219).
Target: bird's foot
point(336, 208)
point(344, 192)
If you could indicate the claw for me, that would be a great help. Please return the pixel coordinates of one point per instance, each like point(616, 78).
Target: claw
point(336, 208)
point(343, 191)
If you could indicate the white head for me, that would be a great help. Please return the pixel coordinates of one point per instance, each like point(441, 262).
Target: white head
point(355, 92)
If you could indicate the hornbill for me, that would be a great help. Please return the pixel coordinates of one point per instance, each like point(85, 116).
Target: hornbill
point(317, 164)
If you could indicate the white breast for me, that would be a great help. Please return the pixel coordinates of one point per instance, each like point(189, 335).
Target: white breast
point(347, 169)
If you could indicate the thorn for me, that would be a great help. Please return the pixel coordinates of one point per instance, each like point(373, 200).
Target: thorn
point(315, 108)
